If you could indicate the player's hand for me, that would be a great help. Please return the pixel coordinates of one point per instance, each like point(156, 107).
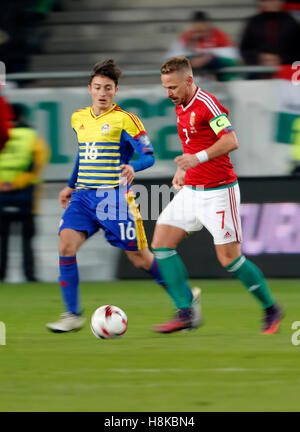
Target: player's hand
point(178, 179)
point(65, 196)
point(187, 161)
point(127, 174)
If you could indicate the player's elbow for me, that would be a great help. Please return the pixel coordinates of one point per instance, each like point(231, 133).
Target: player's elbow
point(144, 162)
point(150, 160)
point(235, 145)
point(233, 142)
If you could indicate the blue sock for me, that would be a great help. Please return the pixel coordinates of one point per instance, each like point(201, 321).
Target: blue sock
point(155, 273)
point(69, 283)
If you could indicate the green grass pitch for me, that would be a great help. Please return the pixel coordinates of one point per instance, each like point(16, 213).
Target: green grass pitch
point(226, 365)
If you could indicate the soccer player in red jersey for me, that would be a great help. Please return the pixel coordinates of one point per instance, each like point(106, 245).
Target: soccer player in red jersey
point(209, 196)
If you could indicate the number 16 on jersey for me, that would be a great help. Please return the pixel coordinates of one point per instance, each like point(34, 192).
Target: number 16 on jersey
point(90, 151)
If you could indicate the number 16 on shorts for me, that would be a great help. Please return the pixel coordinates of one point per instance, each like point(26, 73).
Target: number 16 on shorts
point(127, 232)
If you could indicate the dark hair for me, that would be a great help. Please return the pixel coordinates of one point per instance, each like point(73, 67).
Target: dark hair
point(200, 17)
point(107, 68)
point(19, 111)
point(176, 64)
point(269, 49)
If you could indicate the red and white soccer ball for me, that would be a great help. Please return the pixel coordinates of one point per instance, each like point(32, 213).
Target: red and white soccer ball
point(109, 322)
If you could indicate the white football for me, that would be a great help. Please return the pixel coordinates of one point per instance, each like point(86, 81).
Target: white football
point(109, 322)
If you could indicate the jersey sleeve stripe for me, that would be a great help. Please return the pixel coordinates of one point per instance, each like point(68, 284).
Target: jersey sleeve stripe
point(139, 122)
point(214, 108)
point(211, 101)
point(79, 110)
point(135, 121)
point(133, 118)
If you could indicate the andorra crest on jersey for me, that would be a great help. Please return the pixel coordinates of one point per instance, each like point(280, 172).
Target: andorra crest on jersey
point(193, 122)
point(145, 140)
point(105, 129)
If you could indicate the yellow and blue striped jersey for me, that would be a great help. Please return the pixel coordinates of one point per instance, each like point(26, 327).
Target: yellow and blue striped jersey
point(105, 142)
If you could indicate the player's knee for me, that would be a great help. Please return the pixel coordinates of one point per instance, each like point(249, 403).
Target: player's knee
point(170, 244)
point(155, 244)
point(157, 239)
point(224, 262)
point(225, 259)
point(228, 253)
point(164, 242)
point(66, 249)
point(167, 238)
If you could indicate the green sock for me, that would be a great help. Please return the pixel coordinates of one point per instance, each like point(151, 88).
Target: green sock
point(253, 279)
point(175, 275)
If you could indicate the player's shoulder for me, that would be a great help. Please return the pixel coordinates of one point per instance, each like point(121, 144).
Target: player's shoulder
point(207, 101)
point(129, 118)
point(80, 112)
point(125, 114)
point(205, 95)
point(79, 115)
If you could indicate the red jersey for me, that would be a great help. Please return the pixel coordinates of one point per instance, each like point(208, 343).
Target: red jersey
point(200, 124)
point(216, 39)
point(285, 72)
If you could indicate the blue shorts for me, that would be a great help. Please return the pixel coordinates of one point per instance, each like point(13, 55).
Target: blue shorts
point(114, 210)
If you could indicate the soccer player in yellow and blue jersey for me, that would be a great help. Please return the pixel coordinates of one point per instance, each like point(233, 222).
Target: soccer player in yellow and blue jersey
point(98, 195)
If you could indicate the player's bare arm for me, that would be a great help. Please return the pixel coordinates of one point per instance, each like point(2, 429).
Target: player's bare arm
point(226, 144)
point(65, 196)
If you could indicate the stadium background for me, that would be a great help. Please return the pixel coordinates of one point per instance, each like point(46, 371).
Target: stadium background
point(264, 114)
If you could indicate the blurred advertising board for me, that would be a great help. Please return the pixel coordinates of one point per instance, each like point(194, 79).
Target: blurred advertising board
point(270, 213)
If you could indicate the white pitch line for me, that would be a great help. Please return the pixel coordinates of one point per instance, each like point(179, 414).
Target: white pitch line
point(216, 370)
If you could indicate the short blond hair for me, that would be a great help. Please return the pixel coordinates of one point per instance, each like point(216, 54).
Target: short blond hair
point(176, 64)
